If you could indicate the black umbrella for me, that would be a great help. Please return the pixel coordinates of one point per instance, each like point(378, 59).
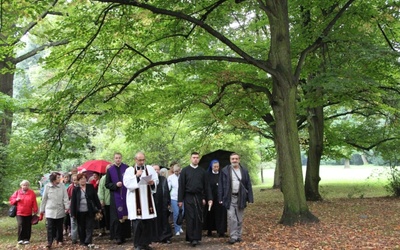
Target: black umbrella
point(221, 155)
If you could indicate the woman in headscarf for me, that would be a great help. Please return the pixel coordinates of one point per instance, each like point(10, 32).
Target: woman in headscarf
point(215, 216)
point(25, 200)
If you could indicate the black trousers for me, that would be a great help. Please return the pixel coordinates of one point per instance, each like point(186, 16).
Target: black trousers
point(24, 227)
point(193, 216)
point(85, 223)
point(55, 230)
point(142, 231)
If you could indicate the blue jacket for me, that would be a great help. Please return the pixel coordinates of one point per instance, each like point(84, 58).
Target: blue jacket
point(225, 188)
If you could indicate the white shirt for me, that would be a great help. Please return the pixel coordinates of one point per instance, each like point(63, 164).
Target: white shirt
point(173, 185)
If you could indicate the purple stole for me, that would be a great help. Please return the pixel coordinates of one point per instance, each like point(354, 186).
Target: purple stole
point(120, 193)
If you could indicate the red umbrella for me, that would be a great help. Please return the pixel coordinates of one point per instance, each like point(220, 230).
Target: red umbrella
point(98, 166)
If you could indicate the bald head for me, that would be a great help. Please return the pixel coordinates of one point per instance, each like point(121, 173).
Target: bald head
point(140, 158)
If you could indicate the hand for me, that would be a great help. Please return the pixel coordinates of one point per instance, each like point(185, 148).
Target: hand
point(119, 184)
point(103, 204)
point(139, 173)
point(41, 217)
point(220, 202)
point(151, 182)
point(18, 199)
point(204, 202)
point(180, 204)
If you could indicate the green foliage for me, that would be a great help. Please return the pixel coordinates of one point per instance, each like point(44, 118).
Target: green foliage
point(393, 187)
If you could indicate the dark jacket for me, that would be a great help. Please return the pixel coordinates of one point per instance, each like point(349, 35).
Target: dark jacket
point(225, 188)
point(91, 194)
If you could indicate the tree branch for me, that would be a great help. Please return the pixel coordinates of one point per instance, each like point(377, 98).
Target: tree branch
point(372, 145)
point(263, 65)
point(82, 52)
point(386, 38)
point(175, 61)
point(244, 85)
point(319, 40)
point(30, 26)
point(37, 50)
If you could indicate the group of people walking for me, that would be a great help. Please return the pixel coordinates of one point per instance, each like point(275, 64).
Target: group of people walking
point(138, 201)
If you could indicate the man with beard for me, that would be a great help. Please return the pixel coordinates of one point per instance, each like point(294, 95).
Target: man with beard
point(234, 192)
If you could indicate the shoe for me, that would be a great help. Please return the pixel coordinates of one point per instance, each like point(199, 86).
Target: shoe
point(48, 245)
point(138, 248)
point(222, 235)
point(194, 243)
point(119, 242)
point(232, 241)
point(178, 233)
point(20, 242)
point(239, 240)
point(209, 233)
point(147, 247)
point(90, 245)
point(180, 230)
point(26, 242)
point(74, 242)
point(166, 241)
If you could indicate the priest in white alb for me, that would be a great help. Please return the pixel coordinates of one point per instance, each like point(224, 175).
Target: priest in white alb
point(141, 182)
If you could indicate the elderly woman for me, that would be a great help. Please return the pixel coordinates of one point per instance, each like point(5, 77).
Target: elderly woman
point(84, 203)
point(54, 206)
point(25, 199)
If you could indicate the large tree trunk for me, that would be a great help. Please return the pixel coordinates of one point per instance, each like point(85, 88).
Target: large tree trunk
point(6, 87)
point(6, 116)
point(277, 175)
point(315, 149)
point(364, 159)
point(284, 108)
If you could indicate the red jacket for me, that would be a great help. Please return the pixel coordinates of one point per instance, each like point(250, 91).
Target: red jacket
point(27, 203)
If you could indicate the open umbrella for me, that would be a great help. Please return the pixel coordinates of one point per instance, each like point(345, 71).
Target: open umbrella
point(98, 166)
point(221, 155)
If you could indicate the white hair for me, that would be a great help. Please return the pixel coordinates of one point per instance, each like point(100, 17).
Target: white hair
point(164, 172)
point(25, 182)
